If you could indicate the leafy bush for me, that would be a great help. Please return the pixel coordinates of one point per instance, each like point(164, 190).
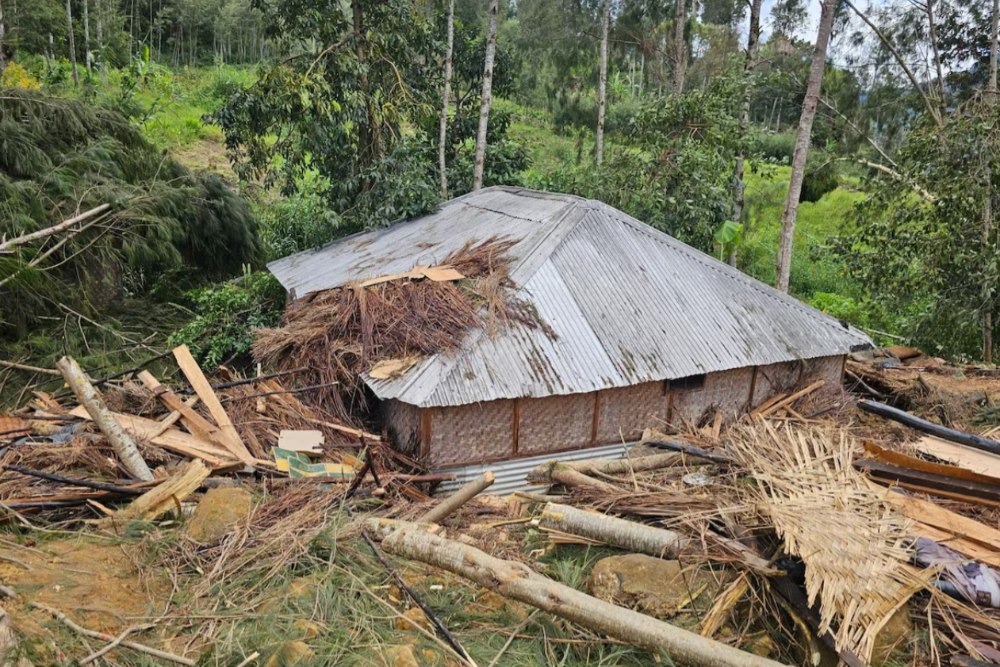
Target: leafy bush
point(819, 179)
point(16, 76)
point(228, 313)
point(774, 146)
point(298, 222)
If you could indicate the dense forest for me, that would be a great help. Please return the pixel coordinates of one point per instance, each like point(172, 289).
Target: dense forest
point(842, 152)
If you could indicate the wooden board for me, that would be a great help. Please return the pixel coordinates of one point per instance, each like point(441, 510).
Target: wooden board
point(172, 439)
point(164, 497)
point(202, 387)
point(975, 460)
point(944, 519)
point(913, 463)
point(194, 422)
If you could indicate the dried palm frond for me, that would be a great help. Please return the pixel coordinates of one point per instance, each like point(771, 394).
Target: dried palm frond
point(854, 546)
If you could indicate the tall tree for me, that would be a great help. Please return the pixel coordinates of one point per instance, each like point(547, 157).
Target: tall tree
point(72, 41)
point(443, 125)
point(3, 31)
point(991, 101)
point(602, 84)
point(99, 20)
point(86, 34)
point(484, 108)
point(680, 50)
point(802, 140)
point(749, 60)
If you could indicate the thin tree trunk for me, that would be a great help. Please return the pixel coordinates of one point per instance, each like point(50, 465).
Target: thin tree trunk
point(3, 33)
point(802, 144)
point(991, 100)
point(484, 108)
point(451, 504)
point(72, 41)
point(621, 533)
point(602, 84)
point(443, 125)
point(519, 582)
point(739, 186)
point(86, 35)
point(680, 46)
point(369, 131)
point(100, 37)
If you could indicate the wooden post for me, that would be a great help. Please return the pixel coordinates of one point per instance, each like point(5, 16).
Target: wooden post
point(450, 504)
point(122, 443)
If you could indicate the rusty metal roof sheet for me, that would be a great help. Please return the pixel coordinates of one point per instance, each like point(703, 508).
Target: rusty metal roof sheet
point(626, 303)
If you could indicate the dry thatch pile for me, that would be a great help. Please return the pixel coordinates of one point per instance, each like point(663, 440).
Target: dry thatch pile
point(343, 332)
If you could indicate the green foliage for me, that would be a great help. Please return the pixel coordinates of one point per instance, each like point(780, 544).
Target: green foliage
point(819, 179)
point(776, 146)
point(227, 314)
point(58, 157)
point(928, 261)
point(298, 222)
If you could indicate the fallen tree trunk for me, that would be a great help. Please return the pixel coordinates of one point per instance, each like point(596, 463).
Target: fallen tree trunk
point(905, 418)
point(120, 441)
point(557, 472)
point(611, 466)
point(519, 582)
point(612, 530)
point(450, 504)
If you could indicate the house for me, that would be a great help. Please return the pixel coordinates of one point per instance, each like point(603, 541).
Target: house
point(640, 329)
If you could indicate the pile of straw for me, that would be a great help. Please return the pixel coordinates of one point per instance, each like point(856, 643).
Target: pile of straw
point(342, 332)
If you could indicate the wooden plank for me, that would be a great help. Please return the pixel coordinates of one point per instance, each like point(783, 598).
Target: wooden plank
point(173, 417)
point(164, 497)
point(913, 463)
point(939, 517)
point(202, 387)
point(975, 460)
point(173, 439)
point(194, 422)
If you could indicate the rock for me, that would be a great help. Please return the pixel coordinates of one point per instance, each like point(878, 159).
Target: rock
point(219, 511)
point(306, 629)
point(413, 617)
point(401, 656)
point(893, 636)
point(654, 586)
point(290, 654)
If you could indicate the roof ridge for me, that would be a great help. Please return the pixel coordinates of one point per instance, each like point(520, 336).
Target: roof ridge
point(725, 269)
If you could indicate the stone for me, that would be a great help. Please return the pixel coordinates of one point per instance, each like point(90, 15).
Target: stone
point(893, 636)
point(401, 656)
point(219, 511)
point(411, 618)
point(290, 654)
point(306, 629)
point(654, 586)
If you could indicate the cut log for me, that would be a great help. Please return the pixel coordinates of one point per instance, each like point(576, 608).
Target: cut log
point(561, 473)
point(163, 498)
point(450, 504)
point(905, 418)
point(611, 530)
point(612, 466)
point(202, 387)
point(519, 582)
point(122, 443)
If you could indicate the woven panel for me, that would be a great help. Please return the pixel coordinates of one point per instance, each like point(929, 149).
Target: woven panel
point(786, 376)
point(555, 423)
point(626, 411)
point(402, 423)
point(726, 391)
point(474, 433)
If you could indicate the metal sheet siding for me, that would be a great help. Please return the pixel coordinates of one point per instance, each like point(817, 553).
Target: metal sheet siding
point(511, 476)
point(627, 303)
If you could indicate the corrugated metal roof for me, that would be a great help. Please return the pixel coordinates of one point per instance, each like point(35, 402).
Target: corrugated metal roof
point(626, 302)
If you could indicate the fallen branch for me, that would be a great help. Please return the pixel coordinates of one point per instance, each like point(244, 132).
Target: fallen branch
point(450, 504)
point(690, 450)
point(518, 581)
point(611, 530)
point(114, 642)
point(120, 441)
point(100, 486)
point(28, 369)
point(135, 646)
point(5, 246)
point(557, 472)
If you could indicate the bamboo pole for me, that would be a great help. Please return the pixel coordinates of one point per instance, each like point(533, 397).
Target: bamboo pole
point(519, 582)
point(89, 397)
point(450, 504)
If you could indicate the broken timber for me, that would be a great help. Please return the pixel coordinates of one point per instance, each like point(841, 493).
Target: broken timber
point(519, 582)
point(905, 418)
point(612, 530)
point(450, 504)
point(122, 443)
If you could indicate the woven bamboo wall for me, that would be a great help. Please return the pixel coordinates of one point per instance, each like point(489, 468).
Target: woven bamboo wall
point(477, 432)
point(554, 423)
point(625, 411)
point(776, 378)
point(402, 424)
point(726, 391)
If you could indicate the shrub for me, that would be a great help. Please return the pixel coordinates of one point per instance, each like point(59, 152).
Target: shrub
point(16, 76)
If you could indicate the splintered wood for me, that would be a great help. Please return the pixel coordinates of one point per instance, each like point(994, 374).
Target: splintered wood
point(853, 543)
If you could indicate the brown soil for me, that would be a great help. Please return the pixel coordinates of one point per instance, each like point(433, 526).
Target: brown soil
point(97, 584)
